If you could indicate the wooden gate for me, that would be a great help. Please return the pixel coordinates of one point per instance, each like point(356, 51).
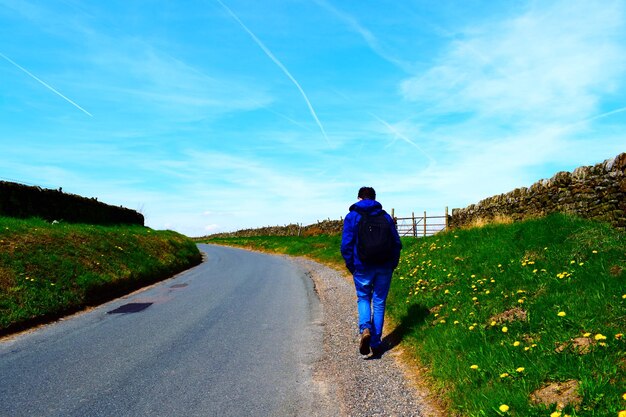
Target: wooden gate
point(420, 226)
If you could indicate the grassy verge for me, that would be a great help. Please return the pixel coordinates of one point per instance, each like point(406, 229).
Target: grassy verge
point(323, 248)
point(48, 270)
point(504, 314)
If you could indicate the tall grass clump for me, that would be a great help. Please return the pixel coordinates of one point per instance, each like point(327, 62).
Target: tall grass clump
point(47, 270)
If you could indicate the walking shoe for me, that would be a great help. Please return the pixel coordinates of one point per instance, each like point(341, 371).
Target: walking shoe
point(364, 346)
point(378, 351)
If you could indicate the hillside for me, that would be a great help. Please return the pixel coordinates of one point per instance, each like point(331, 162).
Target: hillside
point(48, 270)
point(502, 315)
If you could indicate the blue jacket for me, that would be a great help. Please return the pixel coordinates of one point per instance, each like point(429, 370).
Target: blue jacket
point(350, 232)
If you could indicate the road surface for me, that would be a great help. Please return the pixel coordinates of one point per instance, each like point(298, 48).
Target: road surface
point(235, 336)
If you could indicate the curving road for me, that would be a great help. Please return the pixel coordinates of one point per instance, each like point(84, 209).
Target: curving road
point(235, 336)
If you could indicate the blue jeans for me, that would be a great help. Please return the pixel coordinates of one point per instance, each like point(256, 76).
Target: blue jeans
point(372, 286)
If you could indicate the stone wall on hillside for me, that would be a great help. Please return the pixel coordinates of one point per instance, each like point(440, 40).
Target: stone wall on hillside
point(324, 227)
point(594, 192)
point(23, 201)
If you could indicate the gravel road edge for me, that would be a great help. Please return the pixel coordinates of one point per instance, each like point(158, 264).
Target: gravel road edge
point(362, 386)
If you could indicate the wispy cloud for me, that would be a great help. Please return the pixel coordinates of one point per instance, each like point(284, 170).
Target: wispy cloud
point(45, 84)
point(546, 64)
point(280, 65)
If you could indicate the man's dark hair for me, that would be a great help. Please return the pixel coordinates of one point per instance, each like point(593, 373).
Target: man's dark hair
point(367, 193)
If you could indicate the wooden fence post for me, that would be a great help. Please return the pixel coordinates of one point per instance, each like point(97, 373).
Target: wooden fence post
point(446, 219)
point(414, 224)
point(424, 224)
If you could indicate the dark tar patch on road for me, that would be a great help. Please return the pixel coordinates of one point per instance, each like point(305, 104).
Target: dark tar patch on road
point(130, 308)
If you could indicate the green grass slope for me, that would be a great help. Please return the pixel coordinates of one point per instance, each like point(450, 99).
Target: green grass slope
point(48, 270)
point(501, 312)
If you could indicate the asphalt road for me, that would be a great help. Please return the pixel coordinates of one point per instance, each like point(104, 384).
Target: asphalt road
point(235, 336)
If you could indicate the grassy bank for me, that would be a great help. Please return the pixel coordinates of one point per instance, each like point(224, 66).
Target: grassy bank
point(48, 270)
point(502, 315)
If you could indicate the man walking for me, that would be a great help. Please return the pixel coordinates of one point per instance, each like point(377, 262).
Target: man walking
point(371, 247)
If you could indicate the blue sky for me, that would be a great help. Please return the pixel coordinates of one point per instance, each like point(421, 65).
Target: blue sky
point(213, 115)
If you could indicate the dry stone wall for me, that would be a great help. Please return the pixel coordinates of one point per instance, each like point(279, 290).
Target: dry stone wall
point(324, 227)
point(23, 201)
point(594, 192)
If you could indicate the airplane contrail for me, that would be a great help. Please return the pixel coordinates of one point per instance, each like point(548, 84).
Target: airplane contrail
point(280, 65)
point(401, 136)
point(368, 36)
point(45, 85)
point(606, 114)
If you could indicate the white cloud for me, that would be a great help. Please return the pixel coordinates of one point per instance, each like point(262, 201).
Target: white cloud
point(545, 64)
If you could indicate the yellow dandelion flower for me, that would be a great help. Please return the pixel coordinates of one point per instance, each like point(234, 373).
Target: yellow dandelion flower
point(474, 367)
point(586, 334)
point(474, 298)
point(504, 375)
point(516, 343)
point(471, 327)
point(561, 314)
point(581, 264)
point(446, 292)
point(556, 414)
point(521, 301)
point(621, 413)
point(456, 322)
point(487, 292)
point(624, 296)
point(493, 323)
point(624, 396)
point(442, 321)
point(504, 408)
point(572, 262)
point(526, 349)
point(600, 336)
point(520, 369)
point(619, 336)
point(594, 251)
point(505, 329)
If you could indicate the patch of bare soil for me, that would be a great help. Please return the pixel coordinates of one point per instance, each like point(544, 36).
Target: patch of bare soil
point(514, 314)
point(580, 345)
point(560, 393)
